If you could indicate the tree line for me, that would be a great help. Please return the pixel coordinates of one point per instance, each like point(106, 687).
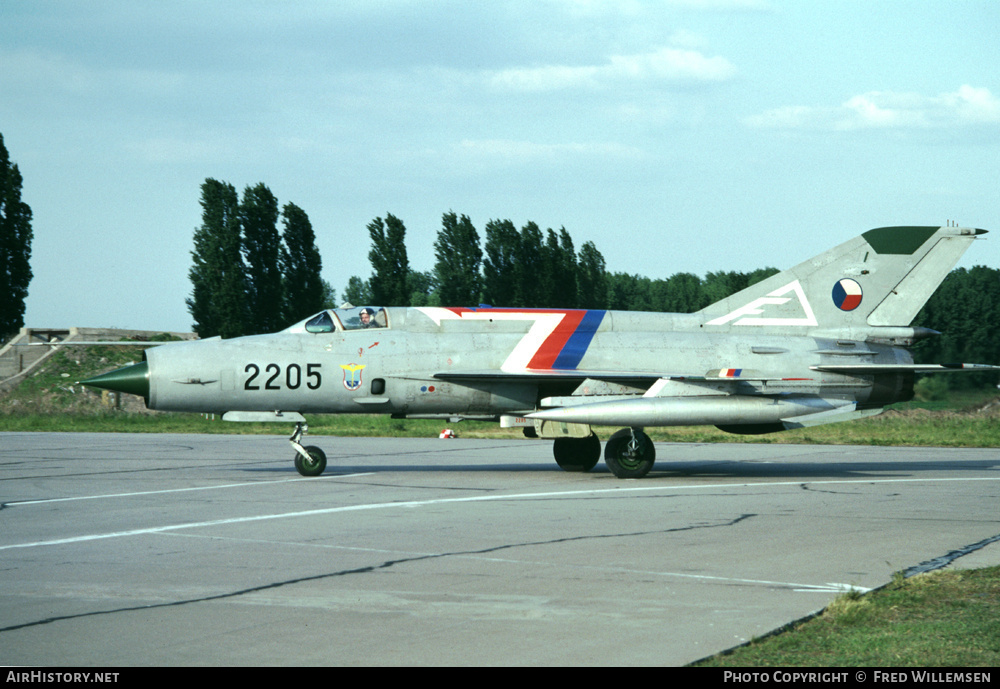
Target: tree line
point(523, 268)
point(516, 268)
point(965, 309)
point(246, 278)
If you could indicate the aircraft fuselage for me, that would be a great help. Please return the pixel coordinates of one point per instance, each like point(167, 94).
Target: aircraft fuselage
point(404, 368)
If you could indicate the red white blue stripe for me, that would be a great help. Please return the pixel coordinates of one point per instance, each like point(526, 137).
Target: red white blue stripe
point(558, 338)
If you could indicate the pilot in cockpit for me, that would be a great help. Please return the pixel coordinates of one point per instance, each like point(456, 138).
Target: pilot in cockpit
point(369, 319)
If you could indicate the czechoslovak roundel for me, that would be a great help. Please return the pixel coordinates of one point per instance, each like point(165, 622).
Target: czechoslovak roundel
point(847, 295)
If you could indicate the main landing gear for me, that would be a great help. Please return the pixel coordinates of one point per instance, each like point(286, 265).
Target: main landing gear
point(629, 453)
point(577, 454)
point(309, 460)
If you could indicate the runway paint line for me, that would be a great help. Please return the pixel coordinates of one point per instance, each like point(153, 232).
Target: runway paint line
point(829, 587)
point(470, 499)
point(181, 490)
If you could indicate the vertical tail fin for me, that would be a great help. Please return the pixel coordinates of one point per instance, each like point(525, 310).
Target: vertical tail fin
point(881, 278)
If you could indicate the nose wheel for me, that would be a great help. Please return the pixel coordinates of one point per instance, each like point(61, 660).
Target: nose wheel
point(309, 460)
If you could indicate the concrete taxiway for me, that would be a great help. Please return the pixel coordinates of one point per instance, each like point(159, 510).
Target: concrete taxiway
point(211, 550)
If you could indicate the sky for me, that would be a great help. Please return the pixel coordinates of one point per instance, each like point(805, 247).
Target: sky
point(677, 135)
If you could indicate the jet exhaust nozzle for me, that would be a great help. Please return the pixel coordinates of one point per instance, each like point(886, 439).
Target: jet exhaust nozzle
point(132, 379)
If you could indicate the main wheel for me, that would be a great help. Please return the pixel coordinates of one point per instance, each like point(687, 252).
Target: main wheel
point(577, 454)
point(316, 463)
point(629, 453)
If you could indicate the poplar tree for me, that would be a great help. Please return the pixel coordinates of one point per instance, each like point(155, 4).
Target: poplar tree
point(458, 260)
point(570, 270)
point(548, 273)
point(305, 293)
point(388, 283)
point(218, 301)
point(262, 253)
point(15, 246)
point(503, 245)
point(531, 266)
point(559, 279)
point(592, 281)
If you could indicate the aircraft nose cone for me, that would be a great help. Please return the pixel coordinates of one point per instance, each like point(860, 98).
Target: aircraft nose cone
point(132, 379)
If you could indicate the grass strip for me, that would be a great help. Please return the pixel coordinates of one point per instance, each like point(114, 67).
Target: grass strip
point(947, 618)
point(913, 429)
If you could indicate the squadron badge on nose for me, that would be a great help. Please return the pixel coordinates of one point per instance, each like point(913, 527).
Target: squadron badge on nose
point(352, 376)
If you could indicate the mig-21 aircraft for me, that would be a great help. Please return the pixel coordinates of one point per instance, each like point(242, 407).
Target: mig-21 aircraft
point(823, 342)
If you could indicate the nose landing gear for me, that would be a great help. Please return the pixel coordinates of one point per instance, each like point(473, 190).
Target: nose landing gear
point(309, 460)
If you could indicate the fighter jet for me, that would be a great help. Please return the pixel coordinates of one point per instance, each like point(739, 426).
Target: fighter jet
point(823, 342)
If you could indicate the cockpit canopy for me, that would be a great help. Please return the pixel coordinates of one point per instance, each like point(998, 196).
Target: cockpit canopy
point(349, 318)
point(322, 322)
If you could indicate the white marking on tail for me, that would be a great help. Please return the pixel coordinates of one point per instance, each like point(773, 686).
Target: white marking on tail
point(750, 314)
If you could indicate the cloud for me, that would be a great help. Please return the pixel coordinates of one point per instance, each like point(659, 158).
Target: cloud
point(31, 67)
point(670, 65)
point(512, 151)
point(173, 150)
point(888, 110)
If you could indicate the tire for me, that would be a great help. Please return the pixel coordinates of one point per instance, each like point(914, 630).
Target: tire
point(626, 459)
point(316, 466)
point(577, 454)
